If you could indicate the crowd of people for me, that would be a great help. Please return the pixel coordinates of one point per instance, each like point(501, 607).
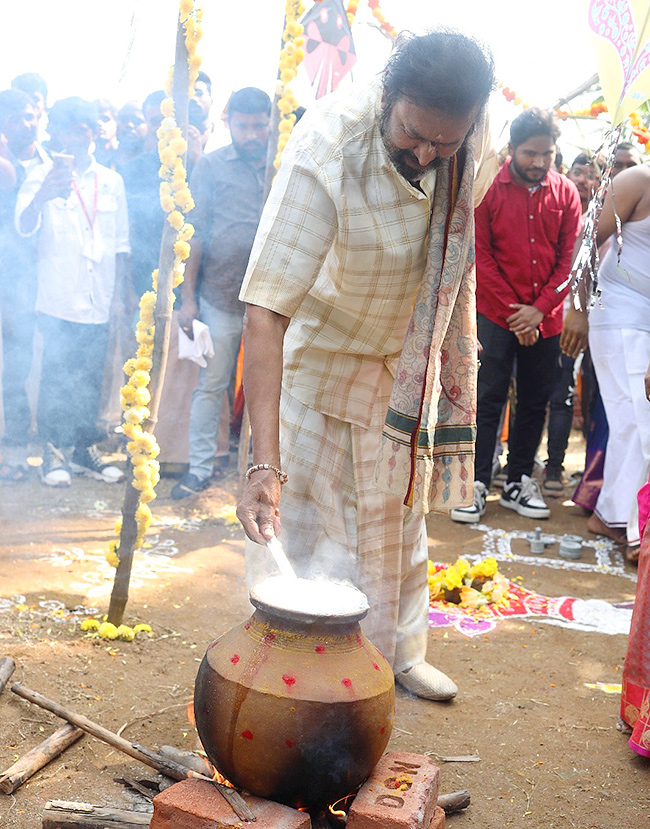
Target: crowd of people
point(355, 290)
point(80, 230)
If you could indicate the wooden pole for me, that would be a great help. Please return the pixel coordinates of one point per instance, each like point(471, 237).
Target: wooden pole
point(38, 757)
point(162, 321)
point(149, 758)
point(7, 667)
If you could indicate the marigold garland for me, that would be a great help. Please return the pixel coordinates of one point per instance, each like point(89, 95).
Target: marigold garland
point(176, 200)
point(291, 56)
point(469, 586)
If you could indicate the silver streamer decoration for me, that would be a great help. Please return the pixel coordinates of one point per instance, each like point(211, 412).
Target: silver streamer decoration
point(587, 260)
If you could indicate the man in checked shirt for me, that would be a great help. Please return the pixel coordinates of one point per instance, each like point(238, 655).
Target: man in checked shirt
point(336, 269)
point(526, 228)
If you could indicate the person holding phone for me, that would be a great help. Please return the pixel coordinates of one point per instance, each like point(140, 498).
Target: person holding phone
point(77, 211)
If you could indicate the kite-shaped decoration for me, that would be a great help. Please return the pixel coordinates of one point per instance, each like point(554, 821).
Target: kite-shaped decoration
point(329, 49)
point(622, 30)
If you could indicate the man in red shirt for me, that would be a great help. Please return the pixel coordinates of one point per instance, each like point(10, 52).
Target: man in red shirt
point(526, 228)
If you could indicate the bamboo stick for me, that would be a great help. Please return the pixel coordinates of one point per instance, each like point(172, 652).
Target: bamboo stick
point(149, 758)
point(40, 756)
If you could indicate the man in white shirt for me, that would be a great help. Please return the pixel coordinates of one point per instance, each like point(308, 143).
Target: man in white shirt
point(78, 210)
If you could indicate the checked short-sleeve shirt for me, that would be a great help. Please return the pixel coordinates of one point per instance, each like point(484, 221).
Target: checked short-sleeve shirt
point(341, 249)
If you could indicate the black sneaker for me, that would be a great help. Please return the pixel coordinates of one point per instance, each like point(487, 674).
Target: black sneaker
point(187, 486)
point(54, 470)
point(473, 514)
point(525, 498)
point(553, 483)
point(87, 460)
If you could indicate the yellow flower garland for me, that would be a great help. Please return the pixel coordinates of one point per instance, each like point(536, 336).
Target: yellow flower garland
point(290, 58)
point(176, 200)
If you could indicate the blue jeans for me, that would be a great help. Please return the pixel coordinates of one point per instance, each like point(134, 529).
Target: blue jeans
point(225, 330)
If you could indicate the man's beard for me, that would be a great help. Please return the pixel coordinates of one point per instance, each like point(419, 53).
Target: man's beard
point(251, 151)
point(399, 156)
point(525, 177)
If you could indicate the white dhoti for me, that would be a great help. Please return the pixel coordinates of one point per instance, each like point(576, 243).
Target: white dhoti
point(336, 523)
point(621, 358)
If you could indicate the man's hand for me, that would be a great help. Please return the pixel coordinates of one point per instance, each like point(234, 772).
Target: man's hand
point(189, 312)
point(528, 339)
point(258, 507)
point(57, 183)
point(525, 319)
point(575, 332)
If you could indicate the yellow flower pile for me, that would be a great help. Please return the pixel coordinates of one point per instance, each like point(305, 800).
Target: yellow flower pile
point(176, 200)
point(105, 630)
point(290, 58)
point(469, 586)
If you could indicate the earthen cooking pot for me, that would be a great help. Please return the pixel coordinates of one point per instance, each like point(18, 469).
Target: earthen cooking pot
point(295, 707)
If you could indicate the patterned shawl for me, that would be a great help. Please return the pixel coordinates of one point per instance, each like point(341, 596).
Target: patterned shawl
point(427, 449)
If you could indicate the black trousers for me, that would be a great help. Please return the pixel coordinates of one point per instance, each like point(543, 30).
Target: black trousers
point(71, 381)
point(536, 368)
point(560, 415)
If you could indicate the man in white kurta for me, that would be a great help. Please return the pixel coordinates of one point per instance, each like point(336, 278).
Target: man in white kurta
point(337, 263)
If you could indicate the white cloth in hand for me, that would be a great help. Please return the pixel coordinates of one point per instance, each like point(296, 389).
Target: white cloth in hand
point(197, 349)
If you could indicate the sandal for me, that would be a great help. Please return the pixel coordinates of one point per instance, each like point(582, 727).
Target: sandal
point(632, 553)
point(12, 474)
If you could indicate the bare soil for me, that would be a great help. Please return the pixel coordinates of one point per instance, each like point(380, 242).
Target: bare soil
point(550, 753)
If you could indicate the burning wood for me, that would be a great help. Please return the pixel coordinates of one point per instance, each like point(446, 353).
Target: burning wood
point(38, 757)
point(7, 667)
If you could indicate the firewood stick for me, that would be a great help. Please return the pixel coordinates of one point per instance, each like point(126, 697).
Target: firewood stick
point(7, 667)
point(38, 757)
point(188, 758)
point(454, 801)
point(145, 756)
point(63, 814)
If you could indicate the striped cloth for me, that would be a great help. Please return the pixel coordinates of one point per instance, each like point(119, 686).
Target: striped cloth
point(335, 523)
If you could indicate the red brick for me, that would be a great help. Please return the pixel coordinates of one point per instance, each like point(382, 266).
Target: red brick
point(197, 804)
point(382, 804)
point(438, 819)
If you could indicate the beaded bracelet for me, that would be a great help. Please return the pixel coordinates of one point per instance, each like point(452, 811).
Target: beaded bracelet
point(258, 467)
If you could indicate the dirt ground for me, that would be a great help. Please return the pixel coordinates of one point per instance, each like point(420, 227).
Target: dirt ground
point(550, 755)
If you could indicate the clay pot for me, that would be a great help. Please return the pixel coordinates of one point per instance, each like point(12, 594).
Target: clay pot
point(295, 708)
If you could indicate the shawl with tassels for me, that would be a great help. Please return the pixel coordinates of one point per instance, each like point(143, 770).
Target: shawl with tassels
point(427, 450)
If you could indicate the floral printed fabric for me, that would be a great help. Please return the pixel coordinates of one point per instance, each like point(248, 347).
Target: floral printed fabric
point(427, 453)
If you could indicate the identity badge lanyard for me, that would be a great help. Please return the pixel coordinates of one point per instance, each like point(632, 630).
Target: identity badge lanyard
point(92, 249)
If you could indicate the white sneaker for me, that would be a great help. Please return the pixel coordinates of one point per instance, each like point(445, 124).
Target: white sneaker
point(473, 514)
point(525, 498)
point(427, 682)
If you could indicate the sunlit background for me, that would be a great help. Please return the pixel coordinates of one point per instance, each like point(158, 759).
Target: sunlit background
point(121, 49)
